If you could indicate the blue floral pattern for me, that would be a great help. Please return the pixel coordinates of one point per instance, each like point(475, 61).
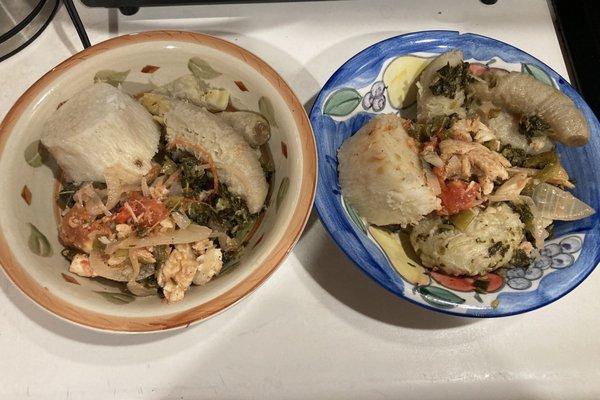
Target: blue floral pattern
point(556, 255)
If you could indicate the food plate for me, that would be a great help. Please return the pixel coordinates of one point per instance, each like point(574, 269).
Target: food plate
point(352, 96)
point(30, 252)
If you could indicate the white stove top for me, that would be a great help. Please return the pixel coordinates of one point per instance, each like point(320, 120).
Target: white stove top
point(318, 328)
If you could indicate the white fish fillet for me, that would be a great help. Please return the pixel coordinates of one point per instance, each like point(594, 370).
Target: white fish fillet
point(237, 164)
point(99, 128)
point(196, 91)
point(253, 126)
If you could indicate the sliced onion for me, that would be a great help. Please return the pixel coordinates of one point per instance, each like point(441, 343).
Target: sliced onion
point(115, 185)
point(145, 191)
point(432, 180)
point(557, 204)
point(433, 158)
point(193, 233)
point(91, 200)
point(511, 189)
point(181, 219)
point(135, 265)
point(484, 135)
point(119, 273)
point(537, 226)
point(134, 287)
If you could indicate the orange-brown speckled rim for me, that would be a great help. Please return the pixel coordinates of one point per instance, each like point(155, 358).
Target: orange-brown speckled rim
point(42, 296)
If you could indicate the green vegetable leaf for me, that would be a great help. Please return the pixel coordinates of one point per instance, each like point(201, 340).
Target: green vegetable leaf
point(38, 243)
point(447, 80)
point(66, 194)
point(439, 297)
point(515, 156)
point(437, 125)
point(116, 298)
point(342, 102)
point(283, 188)
point(537, 73)
point(523, 210)
point(33, 155)
point(201, 69)
point(114, 78)
point(532, 125)
point(266, 109)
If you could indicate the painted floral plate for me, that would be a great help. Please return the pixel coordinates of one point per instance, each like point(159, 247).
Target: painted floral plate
point(381, 79)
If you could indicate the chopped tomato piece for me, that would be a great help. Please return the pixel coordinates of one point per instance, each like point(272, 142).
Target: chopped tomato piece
point(478, 69)
point(440, 173)
point(77, 226)
point(457, 195)
point(148, 211)
point(122, 216)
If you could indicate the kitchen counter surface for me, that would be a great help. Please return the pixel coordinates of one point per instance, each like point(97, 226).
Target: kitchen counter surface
point(318, 328)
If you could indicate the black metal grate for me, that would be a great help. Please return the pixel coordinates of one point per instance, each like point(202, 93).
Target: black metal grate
point(578, 25)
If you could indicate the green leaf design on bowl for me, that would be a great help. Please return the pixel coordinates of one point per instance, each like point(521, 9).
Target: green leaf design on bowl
point(116, 298)
point(537, 73)
point(283, 188)
point(201, 69)
point(342, 102)
point(266, 109)
point(439, 297)
point(38, 243)
point(114, 78)
point(32, 154)
point(354, 216)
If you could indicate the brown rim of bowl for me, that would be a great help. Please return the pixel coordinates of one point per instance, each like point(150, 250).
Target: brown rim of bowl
point(43, 297)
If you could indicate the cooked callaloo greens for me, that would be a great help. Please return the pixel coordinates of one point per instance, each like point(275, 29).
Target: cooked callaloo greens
point(161, 192)
point(475, 179)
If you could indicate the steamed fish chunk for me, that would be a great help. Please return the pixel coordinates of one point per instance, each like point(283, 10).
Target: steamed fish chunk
point(196, 91)
point(253, 126)
point(430, 105)
point(207, 135)
point(100, 128)
point(523, 94)
point(381, 175)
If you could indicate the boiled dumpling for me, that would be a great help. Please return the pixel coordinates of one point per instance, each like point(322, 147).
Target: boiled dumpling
point(382, 177)
point(430, 105)
point(100, 128)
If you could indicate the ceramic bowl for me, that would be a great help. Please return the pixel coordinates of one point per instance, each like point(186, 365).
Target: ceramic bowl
point(29, 247)
point(341, 109)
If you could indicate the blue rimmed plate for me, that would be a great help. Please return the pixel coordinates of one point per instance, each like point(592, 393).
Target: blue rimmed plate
point(380, 79)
